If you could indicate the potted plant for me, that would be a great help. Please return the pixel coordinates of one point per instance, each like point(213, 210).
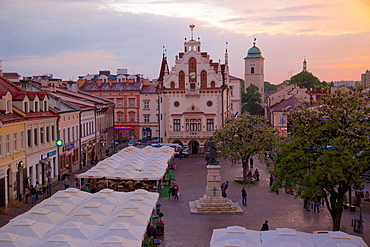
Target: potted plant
point(160, 224)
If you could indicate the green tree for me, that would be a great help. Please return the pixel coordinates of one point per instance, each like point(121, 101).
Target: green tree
point(328, 150)
point(270, 87)
point(305, 79)
point(243, 137)
point(251, 101)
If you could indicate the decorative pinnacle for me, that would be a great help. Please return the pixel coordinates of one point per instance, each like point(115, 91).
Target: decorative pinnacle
point(192, 26)
point(254, 43)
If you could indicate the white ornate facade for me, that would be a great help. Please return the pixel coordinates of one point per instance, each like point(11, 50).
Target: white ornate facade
point(194, 97)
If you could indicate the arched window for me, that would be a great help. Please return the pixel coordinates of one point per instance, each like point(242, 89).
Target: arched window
point(172, 85)
point(213, 84)
point(252, 70)
point(203, 79)
point(181, 79)
point(193, 68)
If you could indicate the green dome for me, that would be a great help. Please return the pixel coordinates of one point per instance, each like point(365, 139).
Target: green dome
point(254, 52)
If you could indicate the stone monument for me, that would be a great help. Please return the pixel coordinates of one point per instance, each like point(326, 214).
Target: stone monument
point(213, 202)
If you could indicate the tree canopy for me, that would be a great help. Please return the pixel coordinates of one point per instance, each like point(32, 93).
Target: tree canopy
point(270, 87)
point(305, 79)
point(328, 150)
point(243, 137)
point(251, 101)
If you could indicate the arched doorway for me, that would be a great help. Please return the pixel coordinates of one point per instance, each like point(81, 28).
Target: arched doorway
point(193, 147)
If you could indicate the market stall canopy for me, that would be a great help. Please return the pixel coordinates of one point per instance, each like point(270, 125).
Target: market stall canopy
point(106, 218)
point(133, 163)
point(235, 236)
point(286, 235)
point(337, 238)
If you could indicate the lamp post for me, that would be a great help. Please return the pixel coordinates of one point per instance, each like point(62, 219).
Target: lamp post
point(48, 174)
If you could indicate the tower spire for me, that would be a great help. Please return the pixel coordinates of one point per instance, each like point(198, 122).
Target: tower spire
point(192, 26)
point(304, 64)
point(254, 41)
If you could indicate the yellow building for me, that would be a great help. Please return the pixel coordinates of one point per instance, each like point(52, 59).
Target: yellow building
point(13, 173)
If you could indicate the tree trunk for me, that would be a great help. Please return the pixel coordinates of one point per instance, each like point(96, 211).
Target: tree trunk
point(337, 216)
point(245, 166)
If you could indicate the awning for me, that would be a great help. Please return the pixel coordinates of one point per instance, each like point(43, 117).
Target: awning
point(45, 161)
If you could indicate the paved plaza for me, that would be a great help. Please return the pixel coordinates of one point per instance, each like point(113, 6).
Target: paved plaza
point(185, 229)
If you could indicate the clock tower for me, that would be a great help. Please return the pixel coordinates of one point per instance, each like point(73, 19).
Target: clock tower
point(254, 68)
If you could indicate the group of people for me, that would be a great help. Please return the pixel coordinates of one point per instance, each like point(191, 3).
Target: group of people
point(34, 192)
point(174, 191)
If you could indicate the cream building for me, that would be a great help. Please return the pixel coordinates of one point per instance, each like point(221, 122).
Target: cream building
point(194, 97)
point(254, 68)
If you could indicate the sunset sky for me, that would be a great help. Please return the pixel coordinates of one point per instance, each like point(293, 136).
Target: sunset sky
point(70, 38)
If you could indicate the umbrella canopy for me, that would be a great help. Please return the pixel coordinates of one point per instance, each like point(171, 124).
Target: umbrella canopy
point(128, 217)
point(27, 228)
point(56, 206)
point(76, 192)
point(61, 240)
point(96, 207)
point(41, 215)
point(115, 241)
point(93, 173)
point(124, 230)
point(12, 239)
point(286, 235)
point(67, 197)
point(75, 230)
point(112, 193)
point(235, 236)
point(102, 198)
point(337, 238)
point(137, 208)
point(85, 216)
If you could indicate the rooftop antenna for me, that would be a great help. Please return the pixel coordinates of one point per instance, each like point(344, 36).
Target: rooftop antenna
point(226, 46)
point(192, 26)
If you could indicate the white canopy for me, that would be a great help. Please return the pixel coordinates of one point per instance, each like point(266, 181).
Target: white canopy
point(134, 163)
point(233, 236)
point(337, 239)
point(106, 218)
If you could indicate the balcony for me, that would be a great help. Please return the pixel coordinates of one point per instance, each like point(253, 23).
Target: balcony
point(192, 92)
point(189, 134)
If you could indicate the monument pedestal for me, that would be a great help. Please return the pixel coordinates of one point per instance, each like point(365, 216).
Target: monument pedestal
point(213, 202)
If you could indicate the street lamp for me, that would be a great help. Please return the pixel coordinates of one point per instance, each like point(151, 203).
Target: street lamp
point(48, 175)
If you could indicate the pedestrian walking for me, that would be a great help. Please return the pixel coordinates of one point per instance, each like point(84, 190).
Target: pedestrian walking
point(251, 162)
point(33, 194)
point(265, 226)
point(271, 179)
point(180, 154)
point(257, 175)
point(66, 182)
point(244, 197)
point(175, 192)
point(27, 193)
point(38, 188)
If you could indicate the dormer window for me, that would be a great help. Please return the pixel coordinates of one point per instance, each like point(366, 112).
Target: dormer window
point(45, 106)
point(36, 107)
point(25, 107)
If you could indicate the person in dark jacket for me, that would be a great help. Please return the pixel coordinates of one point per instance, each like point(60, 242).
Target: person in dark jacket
point(244, 197)
point(265, 226)
point(33, 194)
point(151, 232)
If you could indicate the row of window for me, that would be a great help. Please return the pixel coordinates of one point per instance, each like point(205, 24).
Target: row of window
point(5, 141)
point(131, 103)
point(35, 106)
point(192, 125)
point(40, 135)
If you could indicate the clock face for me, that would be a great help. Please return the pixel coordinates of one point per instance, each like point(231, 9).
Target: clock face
point(252, 63)
point(192, 75)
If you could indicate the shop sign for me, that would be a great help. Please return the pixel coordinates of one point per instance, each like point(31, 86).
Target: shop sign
point(52, 153)
point(70, 146)
point(123, 127)
point(283, 128)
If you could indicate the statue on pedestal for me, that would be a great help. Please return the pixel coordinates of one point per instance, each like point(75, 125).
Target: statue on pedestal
point(212, 152)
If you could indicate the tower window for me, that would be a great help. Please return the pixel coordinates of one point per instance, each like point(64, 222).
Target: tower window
point(252, 70)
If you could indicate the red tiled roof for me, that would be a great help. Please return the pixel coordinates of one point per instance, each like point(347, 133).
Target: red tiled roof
point(148, 89)
point(11, 75)
point(234, 77)
point(292, 102)
point(163, 67)
point(6, 85)
point(81, 106)
point(41, 114)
